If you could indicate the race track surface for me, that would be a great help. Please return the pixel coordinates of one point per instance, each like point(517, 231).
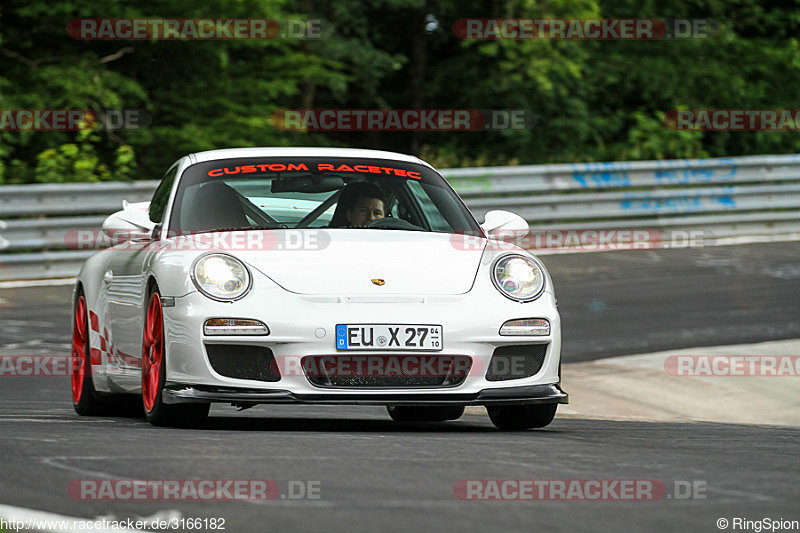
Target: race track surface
point(377, 475)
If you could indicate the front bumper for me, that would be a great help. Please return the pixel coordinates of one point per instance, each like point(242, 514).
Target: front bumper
point(303, 325)
point(531, 394)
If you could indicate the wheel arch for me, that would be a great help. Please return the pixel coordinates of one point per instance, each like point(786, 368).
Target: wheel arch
point(76, 290)
point(148, 288)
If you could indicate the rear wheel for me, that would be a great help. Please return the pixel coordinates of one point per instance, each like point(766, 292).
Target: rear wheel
point(154, 373)
point(406, 413)
point(517, 417)
point(84, 398)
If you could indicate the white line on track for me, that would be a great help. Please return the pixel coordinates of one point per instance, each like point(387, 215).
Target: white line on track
point(56, 462)
point(45, 421)
point(35, 413)
point(57, 523)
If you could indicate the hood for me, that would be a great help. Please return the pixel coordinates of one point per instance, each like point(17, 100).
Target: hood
point(345, 261)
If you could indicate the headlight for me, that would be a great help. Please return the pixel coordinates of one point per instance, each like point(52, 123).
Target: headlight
point(221, 277)
point(518, 277)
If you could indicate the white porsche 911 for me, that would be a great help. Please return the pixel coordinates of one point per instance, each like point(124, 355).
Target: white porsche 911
point(318, 276)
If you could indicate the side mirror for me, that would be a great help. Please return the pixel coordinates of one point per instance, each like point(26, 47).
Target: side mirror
point(131, 224)
point(505, 226)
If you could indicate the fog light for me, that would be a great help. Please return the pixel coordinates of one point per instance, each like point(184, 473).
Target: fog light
point(234, 326)
point(526, 326)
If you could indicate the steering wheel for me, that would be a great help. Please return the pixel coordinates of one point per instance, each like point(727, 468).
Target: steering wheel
point(392, 223)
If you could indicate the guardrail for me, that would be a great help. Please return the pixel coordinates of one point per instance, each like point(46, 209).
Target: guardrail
point(717, 198)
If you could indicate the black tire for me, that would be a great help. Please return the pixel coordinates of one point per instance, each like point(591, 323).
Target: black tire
point(518, 417)
point(406, 413)
point(164, 414)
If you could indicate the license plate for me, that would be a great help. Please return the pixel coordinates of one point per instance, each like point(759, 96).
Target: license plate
point(417, 337)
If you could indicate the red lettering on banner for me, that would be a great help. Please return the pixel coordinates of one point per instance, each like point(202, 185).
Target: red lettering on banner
point(281, 167)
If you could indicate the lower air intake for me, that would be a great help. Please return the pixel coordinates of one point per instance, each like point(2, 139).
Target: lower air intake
point(386, 371)
point(516, 361)
point(255, 363)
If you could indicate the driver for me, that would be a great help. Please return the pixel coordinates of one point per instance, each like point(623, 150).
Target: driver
point(359, 204)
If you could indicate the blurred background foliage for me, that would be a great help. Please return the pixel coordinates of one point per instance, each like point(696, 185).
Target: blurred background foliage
point(594, 100)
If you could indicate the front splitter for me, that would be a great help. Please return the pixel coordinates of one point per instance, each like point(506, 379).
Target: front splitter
point(530, 394)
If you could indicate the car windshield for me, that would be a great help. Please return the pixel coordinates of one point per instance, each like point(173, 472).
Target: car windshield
point(273, 193)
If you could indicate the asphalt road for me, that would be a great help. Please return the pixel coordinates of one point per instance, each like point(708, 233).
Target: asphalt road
point(377, 475)
point(611, 303)
point(622, 303)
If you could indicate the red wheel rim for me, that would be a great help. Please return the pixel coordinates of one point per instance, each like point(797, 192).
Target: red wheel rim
point(80, 339)
point(153, 352)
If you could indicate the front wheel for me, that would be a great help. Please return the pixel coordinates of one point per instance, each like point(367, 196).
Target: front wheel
point(154, 373)
point(404, 413)
point(518, 417)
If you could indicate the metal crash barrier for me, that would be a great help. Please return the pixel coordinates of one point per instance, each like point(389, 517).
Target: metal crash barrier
point(711, 199)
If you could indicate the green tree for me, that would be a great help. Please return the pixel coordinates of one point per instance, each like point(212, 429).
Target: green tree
point(593, 100)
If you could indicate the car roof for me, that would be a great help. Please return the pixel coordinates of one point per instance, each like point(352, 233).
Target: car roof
point(231, 153)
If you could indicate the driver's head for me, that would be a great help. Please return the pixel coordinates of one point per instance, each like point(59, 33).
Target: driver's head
point(366, 204)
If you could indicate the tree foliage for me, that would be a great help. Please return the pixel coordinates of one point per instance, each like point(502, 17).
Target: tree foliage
point(593, 100)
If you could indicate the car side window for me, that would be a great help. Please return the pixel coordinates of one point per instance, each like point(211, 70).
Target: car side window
point(160, 198)
point(425, 199)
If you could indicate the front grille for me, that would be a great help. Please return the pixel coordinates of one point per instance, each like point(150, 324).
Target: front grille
point(386, 371)
point(516, 361)
point(243, 362)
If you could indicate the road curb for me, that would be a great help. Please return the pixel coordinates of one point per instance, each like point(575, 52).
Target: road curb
point(639, 388)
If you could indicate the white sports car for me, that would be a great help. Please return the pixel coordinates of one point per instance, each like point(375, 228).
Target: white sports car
point(319, 276)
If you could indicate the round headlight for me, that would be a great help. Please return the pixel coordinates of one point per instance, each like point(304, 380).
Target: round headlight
point(221, 277)
point(518, 277)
